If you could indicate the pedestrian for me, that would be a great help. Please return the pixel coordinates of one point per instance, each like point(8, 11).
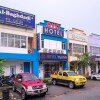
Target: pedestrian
point(99, 71)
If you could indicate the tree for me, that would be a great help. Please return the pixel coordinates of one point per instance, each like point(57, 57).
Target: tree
point(2, 63)
point(84, 60)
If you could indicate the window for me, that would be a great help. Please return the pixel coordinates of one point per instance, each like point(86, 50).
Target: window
point(78, 48)
point(4, 39)
point(94, 50)
point(17, 41)
point(23, 41)
point(63, 46)
point(12, 40)
point(42, 43)
point(65, 74)
point(60, 73)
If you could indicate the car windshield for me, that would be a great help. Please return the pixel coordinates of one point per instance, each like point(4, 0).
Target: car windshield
point(71, 74)
point(29, 78)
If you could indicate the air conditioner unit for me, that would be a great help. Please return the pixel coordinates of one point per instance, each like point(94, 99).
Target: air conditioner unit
point(54, 50)
point(44, 50)
point(58, 51)
point(50, 50)
point(62, 51)
point(29, 51)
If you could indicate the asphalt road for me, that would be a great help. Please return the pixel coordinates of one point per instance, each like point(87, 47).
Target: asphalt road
point(90, 92)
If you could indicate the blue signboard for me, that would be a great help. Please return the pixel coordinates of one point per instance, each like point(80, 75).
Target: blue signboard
point(15, 17)
point(49, 56)
point(53, 32)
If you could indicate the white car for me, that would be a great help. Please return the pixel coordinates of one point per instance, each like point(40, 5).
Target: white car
point(95, 76)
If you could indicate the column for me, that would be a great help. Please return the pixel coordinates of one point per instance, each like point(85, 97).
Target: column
point(35, 68)
point(66, 65)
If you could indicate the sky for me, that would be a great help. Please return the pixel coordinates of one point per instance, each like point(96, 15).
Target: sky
point(80, 14)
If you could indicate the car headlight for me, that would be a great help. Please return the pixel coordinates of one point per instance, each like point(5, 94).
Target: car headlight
point(77, 79)
point(44, 86)
point(29, 88)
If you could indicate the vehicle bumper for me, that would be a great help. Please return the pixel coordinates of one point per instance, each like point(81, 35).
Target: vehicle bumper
point(37, 91)
point(80, 83)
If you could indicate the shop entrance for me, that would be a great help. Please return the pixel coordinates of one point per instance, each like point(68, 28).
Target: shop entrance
point(50, 69)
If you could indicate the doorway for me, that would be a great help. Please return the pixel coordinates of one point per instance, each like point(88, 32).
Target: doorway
point(50, 69)
point(12, 70)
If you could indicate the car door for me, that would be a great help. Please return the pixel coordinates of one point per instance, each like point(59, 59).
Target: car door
point(18, 83)
point(65, 78)
point(59, 77)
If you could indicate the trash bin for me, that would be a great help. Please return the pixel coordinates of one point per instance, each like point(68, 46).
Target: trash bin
point(5, 95)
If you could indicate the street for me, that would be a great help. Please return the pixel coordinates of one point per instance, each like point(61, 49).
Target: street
point(90, 92)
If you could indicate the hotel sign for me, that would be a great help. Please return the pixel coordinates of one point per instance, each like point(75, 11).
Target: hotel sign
point(53, 29)
point(48, 56)
point(18, 18)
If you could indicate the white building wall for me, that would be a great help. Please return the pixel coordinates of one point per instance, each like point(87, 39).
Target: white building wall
point(13, 50)
point(18, 31)
point(9, 63)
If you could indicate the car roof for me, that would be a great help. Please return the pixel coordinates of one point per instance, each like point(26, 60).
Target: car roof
point(25, 74)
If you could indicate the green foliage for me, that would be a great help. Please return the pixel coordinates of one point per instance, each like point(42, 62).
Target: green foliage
point(2, 63)
point(47, 81)
point(84, 60)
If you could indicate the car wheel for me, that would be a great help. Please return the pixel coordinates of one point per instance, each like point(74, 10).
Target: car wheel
point(23, 95)
point(14, 88)
point(43, 94)
point(94, 78)
point(71, 85)
point(54, 82)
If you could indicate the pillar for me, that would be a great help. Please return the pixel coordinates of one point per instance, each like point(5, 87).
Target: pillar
point(66, 65)
point(35, 68)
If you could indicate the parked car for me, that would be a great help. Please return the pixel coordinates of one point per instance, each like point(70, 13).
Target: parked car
point(95, 76)
point(29, 84)
point(69, 78)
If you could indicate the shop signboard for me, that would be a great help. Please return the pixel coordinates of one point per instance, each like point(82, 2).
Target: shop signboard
point(49, 56)
point(53, 29)
point(15, 17)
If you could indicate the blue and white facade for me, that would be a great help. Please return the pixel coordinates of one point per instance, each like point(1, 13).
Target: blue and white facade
point(16, 39)
point(52, 45)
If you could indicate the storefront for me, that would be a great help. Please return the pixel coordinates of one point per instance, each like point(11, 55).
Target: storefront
point(94, 49)
point(17, 31)
point(53, 48)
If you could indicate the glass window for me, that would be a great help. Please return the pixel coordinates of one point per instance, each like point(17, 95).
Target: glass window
point(4, 39)
point(17, 41)
point(65, 74)
point(42, 43)
point(60, 73)
point(63, 46)
point(29, 78)
point(78, 48)
point(12, 40)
